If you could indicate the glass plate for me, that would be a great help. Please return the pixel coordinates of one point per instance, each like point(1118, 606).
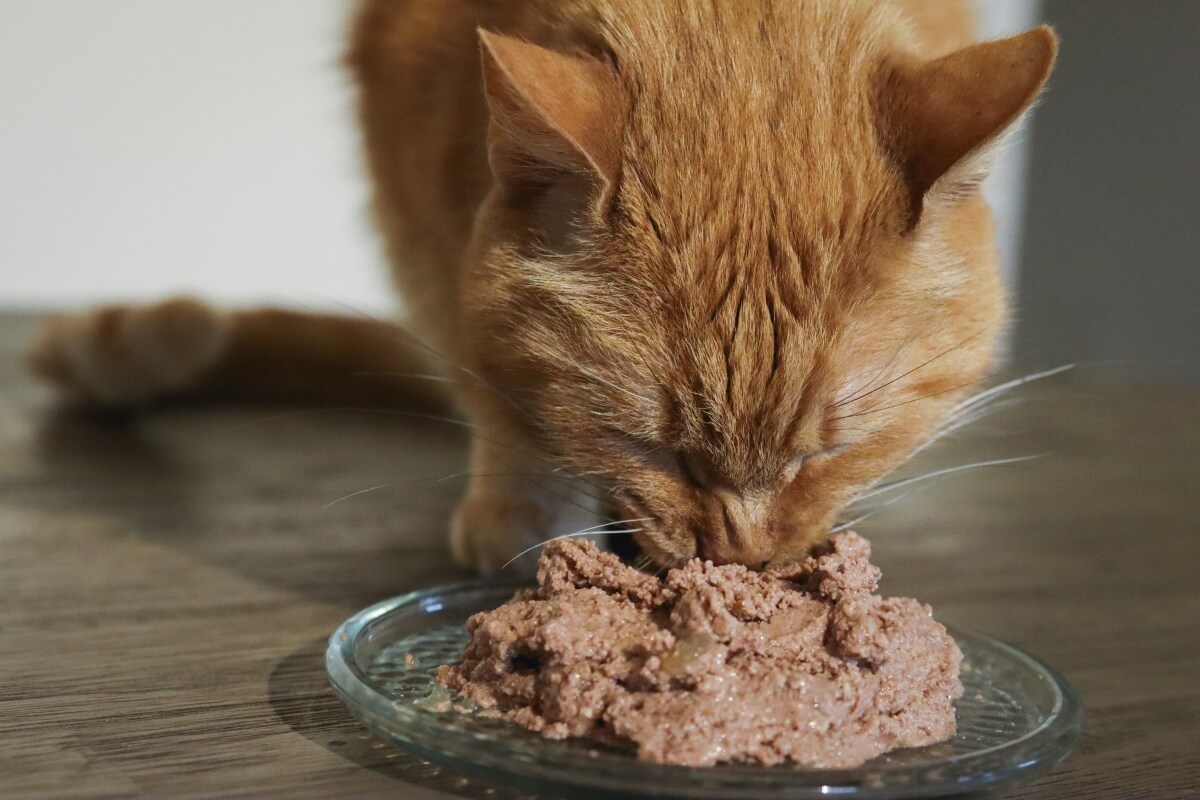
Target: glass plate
point(1017, 719)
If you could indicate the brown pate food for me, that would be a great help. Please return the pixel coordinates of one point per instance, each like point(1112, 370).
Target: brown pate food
point(716, 663)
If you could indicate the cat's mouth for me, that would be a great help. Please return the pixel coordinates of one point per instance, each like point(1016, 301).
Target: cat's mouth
point(660, 546)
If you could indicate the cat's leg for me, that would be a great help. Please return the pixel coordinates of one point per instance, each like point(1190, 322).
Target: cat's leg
point(515, 501)
point(133, 355)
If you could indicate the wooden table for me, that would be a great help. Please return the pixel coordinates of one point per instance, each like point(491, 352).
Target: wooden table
point(168, 584)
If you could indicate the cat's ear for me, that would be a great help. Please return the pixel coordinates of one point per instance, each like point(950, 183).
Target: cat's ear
point(943, 115)
point(553, 115)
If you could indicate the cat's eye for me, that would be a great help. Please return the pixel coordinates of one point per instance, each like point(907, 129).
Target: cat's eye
point(798, 462)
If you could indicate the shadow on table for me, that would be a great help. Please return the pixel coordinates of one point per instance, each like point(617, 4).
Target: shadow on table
point(301, 697)
point(251, 498)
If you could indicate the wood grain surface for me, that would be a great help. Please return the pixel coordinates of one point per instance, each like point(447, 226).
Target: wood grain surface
point(168, 583)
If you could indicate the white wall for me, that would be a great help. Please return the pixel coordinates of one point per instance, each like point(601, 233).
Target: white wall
point(1006, 184)
point(158, 146)
point(154, 146)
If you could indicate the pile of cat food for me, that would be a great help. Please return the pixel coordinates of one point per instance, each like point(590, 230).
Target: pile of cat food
point(716, 663)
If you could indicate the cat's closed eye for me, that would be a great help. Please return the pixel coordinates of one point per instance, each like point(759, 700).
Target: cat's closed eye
point(800, 459)
point(796, 464)
point(692, 471)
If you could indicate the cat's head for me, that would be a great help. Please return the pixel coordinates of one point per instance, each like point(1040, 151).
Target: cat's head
point(739, 290)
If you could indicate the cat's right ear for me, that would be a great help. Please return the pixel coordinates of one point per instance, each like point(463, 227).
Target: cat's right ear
point(942, 117)
point(554, 116)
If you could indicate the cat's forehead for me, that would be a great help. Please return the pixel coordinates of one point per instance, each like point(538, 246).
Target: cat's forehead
point(748, 196)
point(777, 110)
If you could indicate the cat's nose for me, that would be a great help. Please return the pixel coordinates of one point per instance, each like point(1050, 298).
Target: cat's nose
point(738, 533)
point(755, 555)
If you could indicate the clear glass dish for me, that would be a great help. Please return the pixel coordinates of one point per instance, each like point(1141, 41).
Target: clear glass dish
point(1017, 719)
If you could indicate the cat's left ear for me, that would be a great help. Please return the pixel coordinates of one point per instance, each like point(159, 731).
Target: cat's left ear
point(555, 116)
point(942, 117)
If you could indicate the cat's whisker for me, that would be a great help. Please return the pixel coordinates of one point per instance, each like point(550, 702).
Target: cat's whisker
point(420, 376)
point(531, 476)
point(861, 518)
point(878, 506)
point(961, 420)
point(607, 524)
point(568, 536)
point(840, 401)
point(888, 487)
point(595, 530)
point(394, 412)
point(921, 366)
point(986, 403)
point(401, 333)
point(577, 483)
point(474, 433)
point(1009, 386)
point(566, 480)
point(452, 476)
point(570, 482)
point(352, 410)
point(356, 494)
point(877, 409)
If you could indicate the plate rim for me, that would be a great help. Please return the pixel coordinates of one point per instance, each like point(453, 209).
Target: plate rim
point(356, 690)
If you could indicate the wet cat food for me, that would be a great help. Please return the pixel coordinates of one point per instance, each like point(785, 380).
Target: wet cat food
point(716, 663)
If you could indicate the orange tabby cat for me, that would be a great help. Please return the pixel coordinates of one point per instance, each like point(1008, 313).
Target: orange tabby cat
point(722, 263)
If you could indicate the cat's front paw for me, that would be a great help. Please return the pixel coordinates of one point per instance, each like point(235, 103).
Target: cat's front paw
point(489, 532)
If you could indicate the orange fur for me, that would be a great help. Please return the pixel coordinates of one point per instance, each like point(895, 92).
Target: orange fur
point(182, 349)
point(724, 263)
point(681, 321)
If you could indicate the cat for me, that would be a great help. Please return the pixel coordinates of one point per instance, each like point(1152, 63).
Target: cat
point(718, 265)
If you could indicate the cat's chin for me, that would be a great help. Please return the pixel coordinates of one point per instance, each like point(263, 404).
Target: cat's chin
point(662, 552)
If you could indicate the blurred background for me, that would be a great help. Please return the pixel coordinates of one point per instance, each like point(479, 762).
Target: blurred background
point(151, 147)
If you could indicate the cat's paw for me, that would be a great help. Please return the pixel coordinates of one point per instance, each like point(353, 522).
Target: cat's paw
point(128, 355)
point(489, 533)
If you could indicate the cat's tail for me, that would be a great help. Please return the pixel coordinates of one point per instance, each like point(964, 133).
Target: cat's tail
point(131, 356)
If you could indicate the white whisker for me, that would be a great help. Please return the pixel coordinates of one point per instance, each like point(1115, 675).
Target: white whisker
point(917, 368)
point(1010, 385)
point(461, 423)
point(888, 487)
point(415, 375)
point(841, 526)
point(838, 402)
point(964, 418)
point(644, 563)
point(984, 404)
point(360, 491)
point(844, 525)
point(595, 530)
point(569, 536)
point(399, 332)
